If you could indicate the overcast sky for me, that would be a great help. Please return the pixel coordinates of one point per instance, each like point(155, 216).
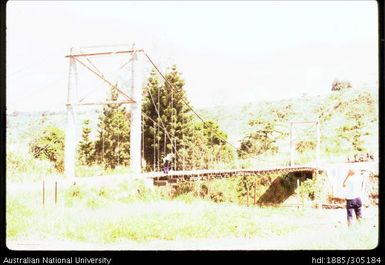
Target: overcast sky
point(228, 52)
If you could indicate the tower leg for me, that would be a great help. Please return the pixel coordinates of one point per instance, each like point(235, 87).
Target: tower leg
point(70, 132)
point(70, 140)
point(318, 146)
point(136, 114)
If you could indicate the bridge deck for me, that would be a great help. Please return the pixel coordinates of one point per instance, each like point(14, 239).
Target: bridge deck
point(161, 179)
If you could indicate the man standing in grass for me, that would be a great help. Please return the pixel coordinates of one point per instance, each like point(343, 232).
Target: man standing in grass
point(354, 190)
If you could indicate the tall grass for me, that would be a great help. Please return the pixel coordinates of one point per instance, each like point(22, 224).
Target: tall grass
point(26, 168)
point(123, 211)
point(176, 220)
point(22, 167)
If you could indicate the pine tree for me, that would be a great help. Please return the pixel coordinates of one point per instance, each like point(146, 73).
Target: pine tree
point(167, 120)
point(169, 127)
point(178, 117)
point(152, 131)
point(112, 147)
point(86, 145)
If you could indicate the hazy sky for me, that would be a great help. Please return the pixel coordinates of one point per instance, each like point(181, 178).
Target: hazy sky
point(228, 52)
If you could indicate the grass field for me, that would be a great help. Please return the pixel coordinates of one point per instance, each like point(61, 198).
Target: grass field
point(127, 215)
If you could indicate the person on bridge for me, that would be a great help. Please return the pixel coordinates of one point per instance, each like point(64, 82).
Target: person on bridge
point(167, 160)
point(354, 191)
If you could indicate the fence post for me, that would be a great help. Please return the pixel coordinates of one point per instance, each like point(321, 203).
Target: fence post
point(43, 192)
point(55, 192)
point(298, 193)
point(255, 187)
point(208, 186)
point(318, 145)
point(247, 194)
point(291, 145)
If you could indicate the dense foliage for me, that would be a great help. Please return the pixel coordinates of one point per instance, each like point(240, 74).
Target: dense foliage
point(170, 127)
point(267, 130)
point(112, 146)
point(86, 145)
point(50, 145)
point(348, 121)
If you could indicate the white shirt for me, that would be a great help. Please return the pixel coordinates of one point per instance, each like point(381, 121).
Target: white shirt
point(354, 186)
point(167, 158)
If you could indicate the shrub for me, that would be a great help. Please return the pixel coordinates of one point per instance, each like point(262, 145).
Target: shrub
point(182, 188)
point(50, 145)
point(245, 186)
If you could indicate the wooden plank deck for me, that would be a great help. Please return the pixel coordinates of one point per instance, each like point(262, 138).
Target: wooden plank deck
point(161, 179)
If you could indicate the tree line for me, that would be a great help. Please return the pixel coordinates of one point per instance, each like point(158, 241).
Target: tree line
point(168, 126)
point(347, 117)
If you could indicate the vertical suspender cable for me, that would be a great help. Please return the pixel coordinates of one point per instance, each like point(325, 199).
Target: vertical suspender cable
point(154, 144)
point(184, 101)
point(158, 137)
point(142, 158)
point(172, 119)
point(103, 128)
point(118, 142)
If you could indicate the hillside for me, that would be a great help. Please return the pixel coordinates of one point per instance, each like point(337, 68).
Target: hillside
point(341, 114)
point(234, 119)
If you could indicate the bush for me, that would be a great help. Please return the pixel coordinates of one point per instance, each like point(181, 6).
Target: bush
point(182, 188)
point(50, 146)
point(245, 186)
point(305, 145)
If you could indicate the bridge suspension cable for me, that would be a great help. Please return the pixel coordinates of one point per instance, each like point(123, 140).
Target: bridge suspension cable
point(166, 133)
point(184, 101)
point(160, 119)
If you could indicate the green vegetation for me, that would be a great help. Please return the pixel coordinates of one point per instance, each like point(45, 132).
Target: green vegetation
point(26, 168)
point(348, 119)
point(170, 127)
point(112, 145)
point(348, 125)
point(119, 212)
point(267, 130)
point(50, 145)
point(95, 219)
point(86, 145)
point(208, 148)
point(114, 211)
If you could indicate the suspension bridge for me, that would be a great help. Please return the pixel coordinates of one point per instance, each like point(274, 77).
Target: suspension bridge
point(173, 178)
point(134, 99)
